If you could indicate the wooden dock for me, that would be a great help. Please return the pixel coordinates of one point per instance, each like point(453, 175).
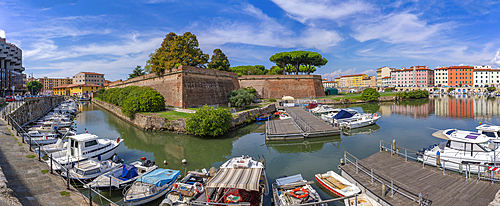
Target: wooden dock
point(302, 125)
point(410, 179)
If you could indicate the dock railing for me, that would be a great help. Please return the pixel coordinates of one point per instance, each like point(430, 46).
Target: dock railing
point(21, 130)
point(319, 203)
point(298, 121)
point(469, 170)
point(393, 185)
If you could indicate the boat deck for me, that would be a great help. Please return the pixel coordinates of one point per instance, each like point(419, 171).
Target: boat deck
point(411, 178)
point(302, 125)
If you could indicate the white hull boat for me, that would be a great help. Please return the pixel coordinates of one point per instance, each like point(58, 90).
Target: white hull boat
point(337, 184)
point(151, 186)
point(124, 176)
point(294, 190)
point(58, 146)
point(89, 169)
point(361, 121)
point(363, 200)
point(190, 188)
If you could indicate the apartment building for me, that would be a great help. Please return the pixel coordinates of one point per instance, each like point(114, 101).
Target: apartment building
point(12, 78)
point(76, 89)
point(355, 80)
point(484, 76)
point(386, 82)
point(402, 77)
point(50, 83)
point(460, 76)
point(370, 81)
point(423, 76)
point(329, 84)
point(383, 72)
point(89, 78)
point(441, 76)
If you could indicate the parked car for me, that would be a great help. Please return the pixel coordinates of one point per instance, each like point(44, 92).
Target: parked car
point(9, 99)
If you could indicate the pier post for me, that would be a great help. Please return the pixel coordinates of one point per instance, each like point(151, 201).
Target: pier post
point(356, 166)
point(372, 175)
point(423, 160)
point(383, 190)
point(444, 168)
point(51, 165)
point(39, 153)
point(356, 200)
point(392, 188)
point(406, 155)
point(393, 147)
point(30, 142)
point(90, 195)
point(67, 178)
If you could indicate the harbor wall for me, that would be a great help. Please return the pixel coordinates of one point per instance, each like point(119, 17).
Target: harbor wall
point(277, 86)
point(34, 108)
point(250, 115)
point(187, 86)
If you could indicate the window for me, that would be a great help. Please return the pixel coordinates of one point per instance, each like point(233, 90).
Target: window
point(90, 143)
point(489, 134)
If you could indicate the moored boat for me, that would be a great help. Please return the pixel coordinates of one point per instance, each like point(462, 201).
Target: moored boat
point(190, 188)
point(337, 184)
point(263, 117)
point(90, 169)
point(294, 190)
point(151, 186)
point(124, 175)
point(363, 200)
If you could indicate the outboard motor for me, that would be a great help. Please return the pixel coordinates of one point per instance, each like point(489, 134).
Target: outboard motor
point(147, 163)
point(116, 159)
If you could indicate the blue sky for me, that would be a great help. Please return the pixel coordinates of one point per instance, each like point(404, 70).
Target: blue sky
point(63, 37)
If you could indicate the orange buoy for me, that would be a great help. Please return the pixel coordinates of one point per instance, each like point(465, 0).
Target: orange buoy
point(143, 158)
point(306, 193)
point(118, 140)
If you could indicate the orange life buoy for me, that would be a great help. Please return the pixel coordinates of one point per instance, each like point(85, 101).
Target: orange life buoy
point(375, 114)
point(306, 193)
point(198, 188)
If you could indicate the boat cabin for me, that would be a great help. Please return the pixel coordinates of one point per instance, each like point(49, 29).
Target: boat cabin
point(83, 144)
point(491, 131)
point(465, 141)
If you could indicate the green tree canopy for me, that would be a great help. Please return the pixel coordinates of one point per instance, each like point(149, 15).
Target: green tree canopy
point(136, 72)
point(219, 61)
point(249, 70)
point(298, 61)
point(208, 121)
point(34, 86)
point(178, 50)
point(370, 94)
point(241, 97)
point(491, 89)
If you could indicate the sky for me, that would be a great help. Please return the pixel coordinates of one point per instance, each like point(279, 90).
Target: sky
point(60, 38)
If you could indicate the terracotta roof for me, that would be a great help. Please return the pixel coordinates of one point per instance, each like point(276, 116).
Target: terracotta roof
point(353, 75)
point(107, 81)
point(461, 67)
point(330, 82)
point(76, 85)
point(91, 73)
point(386, 77)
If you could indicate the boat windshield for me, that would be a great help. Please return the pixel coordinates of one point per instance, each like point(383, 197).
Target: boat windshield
point(78, 171)
point(488, 146)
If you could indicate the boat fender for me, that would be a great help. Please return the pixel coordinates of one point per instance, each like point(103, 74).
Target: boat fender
point(175, 186)
point(198, 188)
point(46, 137)
point(294, 191)
point(166, 202)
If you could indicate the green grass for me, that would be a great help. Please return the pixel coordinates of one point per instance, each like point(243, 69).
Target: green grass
point(19, 144)
point(169, 115)
point(98, 98)
point(30, 156)
point(45, 171)
point(4, 104)
point(65, 193)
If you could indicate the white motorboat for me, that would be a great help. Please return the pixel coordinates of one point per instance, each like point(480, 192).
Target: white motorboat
point(124, 175)
point(40, 138)
point(337, 184)
point(363, 200)
point(333, 112)
point(239, 180)
point(361, 120)
point(151, 186)
point(85, 146)
point(284, 116)
point(58, 146)
point(459, 149)
point(491, 131)
point(89, 169)
point(188, 189)
point(44, 127)
point(294, 190)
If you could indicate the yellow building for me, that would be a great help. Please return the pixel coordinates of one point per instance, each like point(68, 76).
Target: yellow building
point(76, 89)
point(50, 83)
point(355, 80)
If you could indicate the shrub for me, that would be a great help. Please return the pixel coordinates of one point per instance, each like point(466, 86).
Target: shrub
point(131, 104)
point(491, 89)
point(208, 121)
point(413, 94)
point(101, 92)
point(151, 101)
point(241, 97)
point(370, 94)
point(387, 90)
point(272, 100)
point(451, 89)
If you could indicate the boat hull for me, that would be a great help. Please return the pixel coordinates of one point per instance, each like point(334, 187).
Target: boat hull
point(352, 188)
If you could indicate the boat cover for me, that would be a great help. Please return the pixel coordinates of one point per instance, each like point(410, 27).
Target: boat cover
point(238, 178)
point(128, 172)
point(160, 177)
point(288, 180)
point(343, 114)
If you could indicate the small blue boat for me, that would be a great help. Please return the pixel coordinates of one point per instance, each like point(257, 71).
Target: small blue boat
point(151, 186)
point(263, 117)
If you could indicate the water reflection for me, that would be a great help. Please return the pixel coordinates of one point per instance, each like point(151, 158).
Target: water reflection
point(307, 145)
point(363, 130)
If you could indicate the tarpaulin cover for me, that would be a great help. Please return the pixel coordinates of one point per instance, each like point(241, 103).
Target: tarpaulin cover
point(239, 178)
point(128, 172)
point(160, 177)
point(288, 180)
point(343, 114)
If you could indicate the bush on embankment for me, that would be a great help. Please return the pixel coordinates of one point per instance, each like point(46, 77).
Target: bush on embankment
point(370, 94)
point(413, 94)
point(208, 121)
point(134, 99)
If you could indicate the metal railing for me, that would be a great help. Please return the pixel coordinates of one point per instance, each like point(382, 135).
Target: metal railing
point(19, 129)
point(468, 169)
point(298, 121)
point(384, 181)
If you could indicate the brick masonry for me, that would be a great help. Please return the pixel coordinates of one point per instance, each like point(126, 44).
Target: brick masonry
point(277, 86)
point(190, 85)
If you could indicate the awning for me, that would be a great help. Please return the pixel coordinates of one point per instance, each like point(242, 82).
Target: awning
point(241, 178)
point(287, 98)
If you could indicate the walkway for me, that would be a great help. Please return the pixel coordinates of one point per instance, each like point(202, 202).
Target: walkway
point(25, 177)
point(411, 179)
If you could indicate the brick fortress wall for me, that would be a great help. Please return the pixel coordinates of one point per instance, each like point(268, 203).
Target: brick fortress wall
point(191, 85)
point(275, 86)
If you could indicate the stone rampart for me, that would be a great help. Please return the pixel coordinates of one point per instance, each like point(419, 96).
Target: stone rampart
point(187, 86)
point(34, 108)
point(277, 86)
point(250, 115)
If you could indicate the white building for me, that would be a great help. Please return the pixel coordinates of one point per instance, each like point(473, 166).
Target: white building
point(486, 77)
point(329, 84)
point(441, 76)
point(386, 82)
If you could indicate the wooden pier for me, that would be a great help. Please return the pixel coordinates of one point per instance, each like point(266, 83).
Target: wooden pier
point(301, 125)
point(414, 184)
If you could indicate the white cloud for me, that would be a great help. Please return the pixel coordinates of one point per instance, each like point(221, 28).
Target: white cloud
point(496, 59)
point(2, 33)
point(338, 73)
point(321, 9)
point(399, 28)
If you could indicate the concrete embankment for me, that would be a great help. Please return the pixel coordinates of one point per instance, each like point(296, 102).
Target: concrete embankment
point(161, 124)
point(28, 181)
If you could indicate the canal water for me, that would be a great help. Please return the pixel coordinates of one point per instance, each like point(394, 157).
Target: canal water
point(409, 122)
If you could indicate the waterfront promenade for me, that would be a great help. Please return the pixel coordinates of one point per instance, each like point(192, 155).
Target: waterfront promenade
point(24, 174)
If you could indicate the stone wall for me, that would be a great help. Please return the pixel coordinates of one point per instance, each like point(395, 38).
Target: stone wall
point(250, 115)
point(187, 85)
point(6, 194)
point(2, 100)
point(143, 121)
point(33, 108)
point(276, 86)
